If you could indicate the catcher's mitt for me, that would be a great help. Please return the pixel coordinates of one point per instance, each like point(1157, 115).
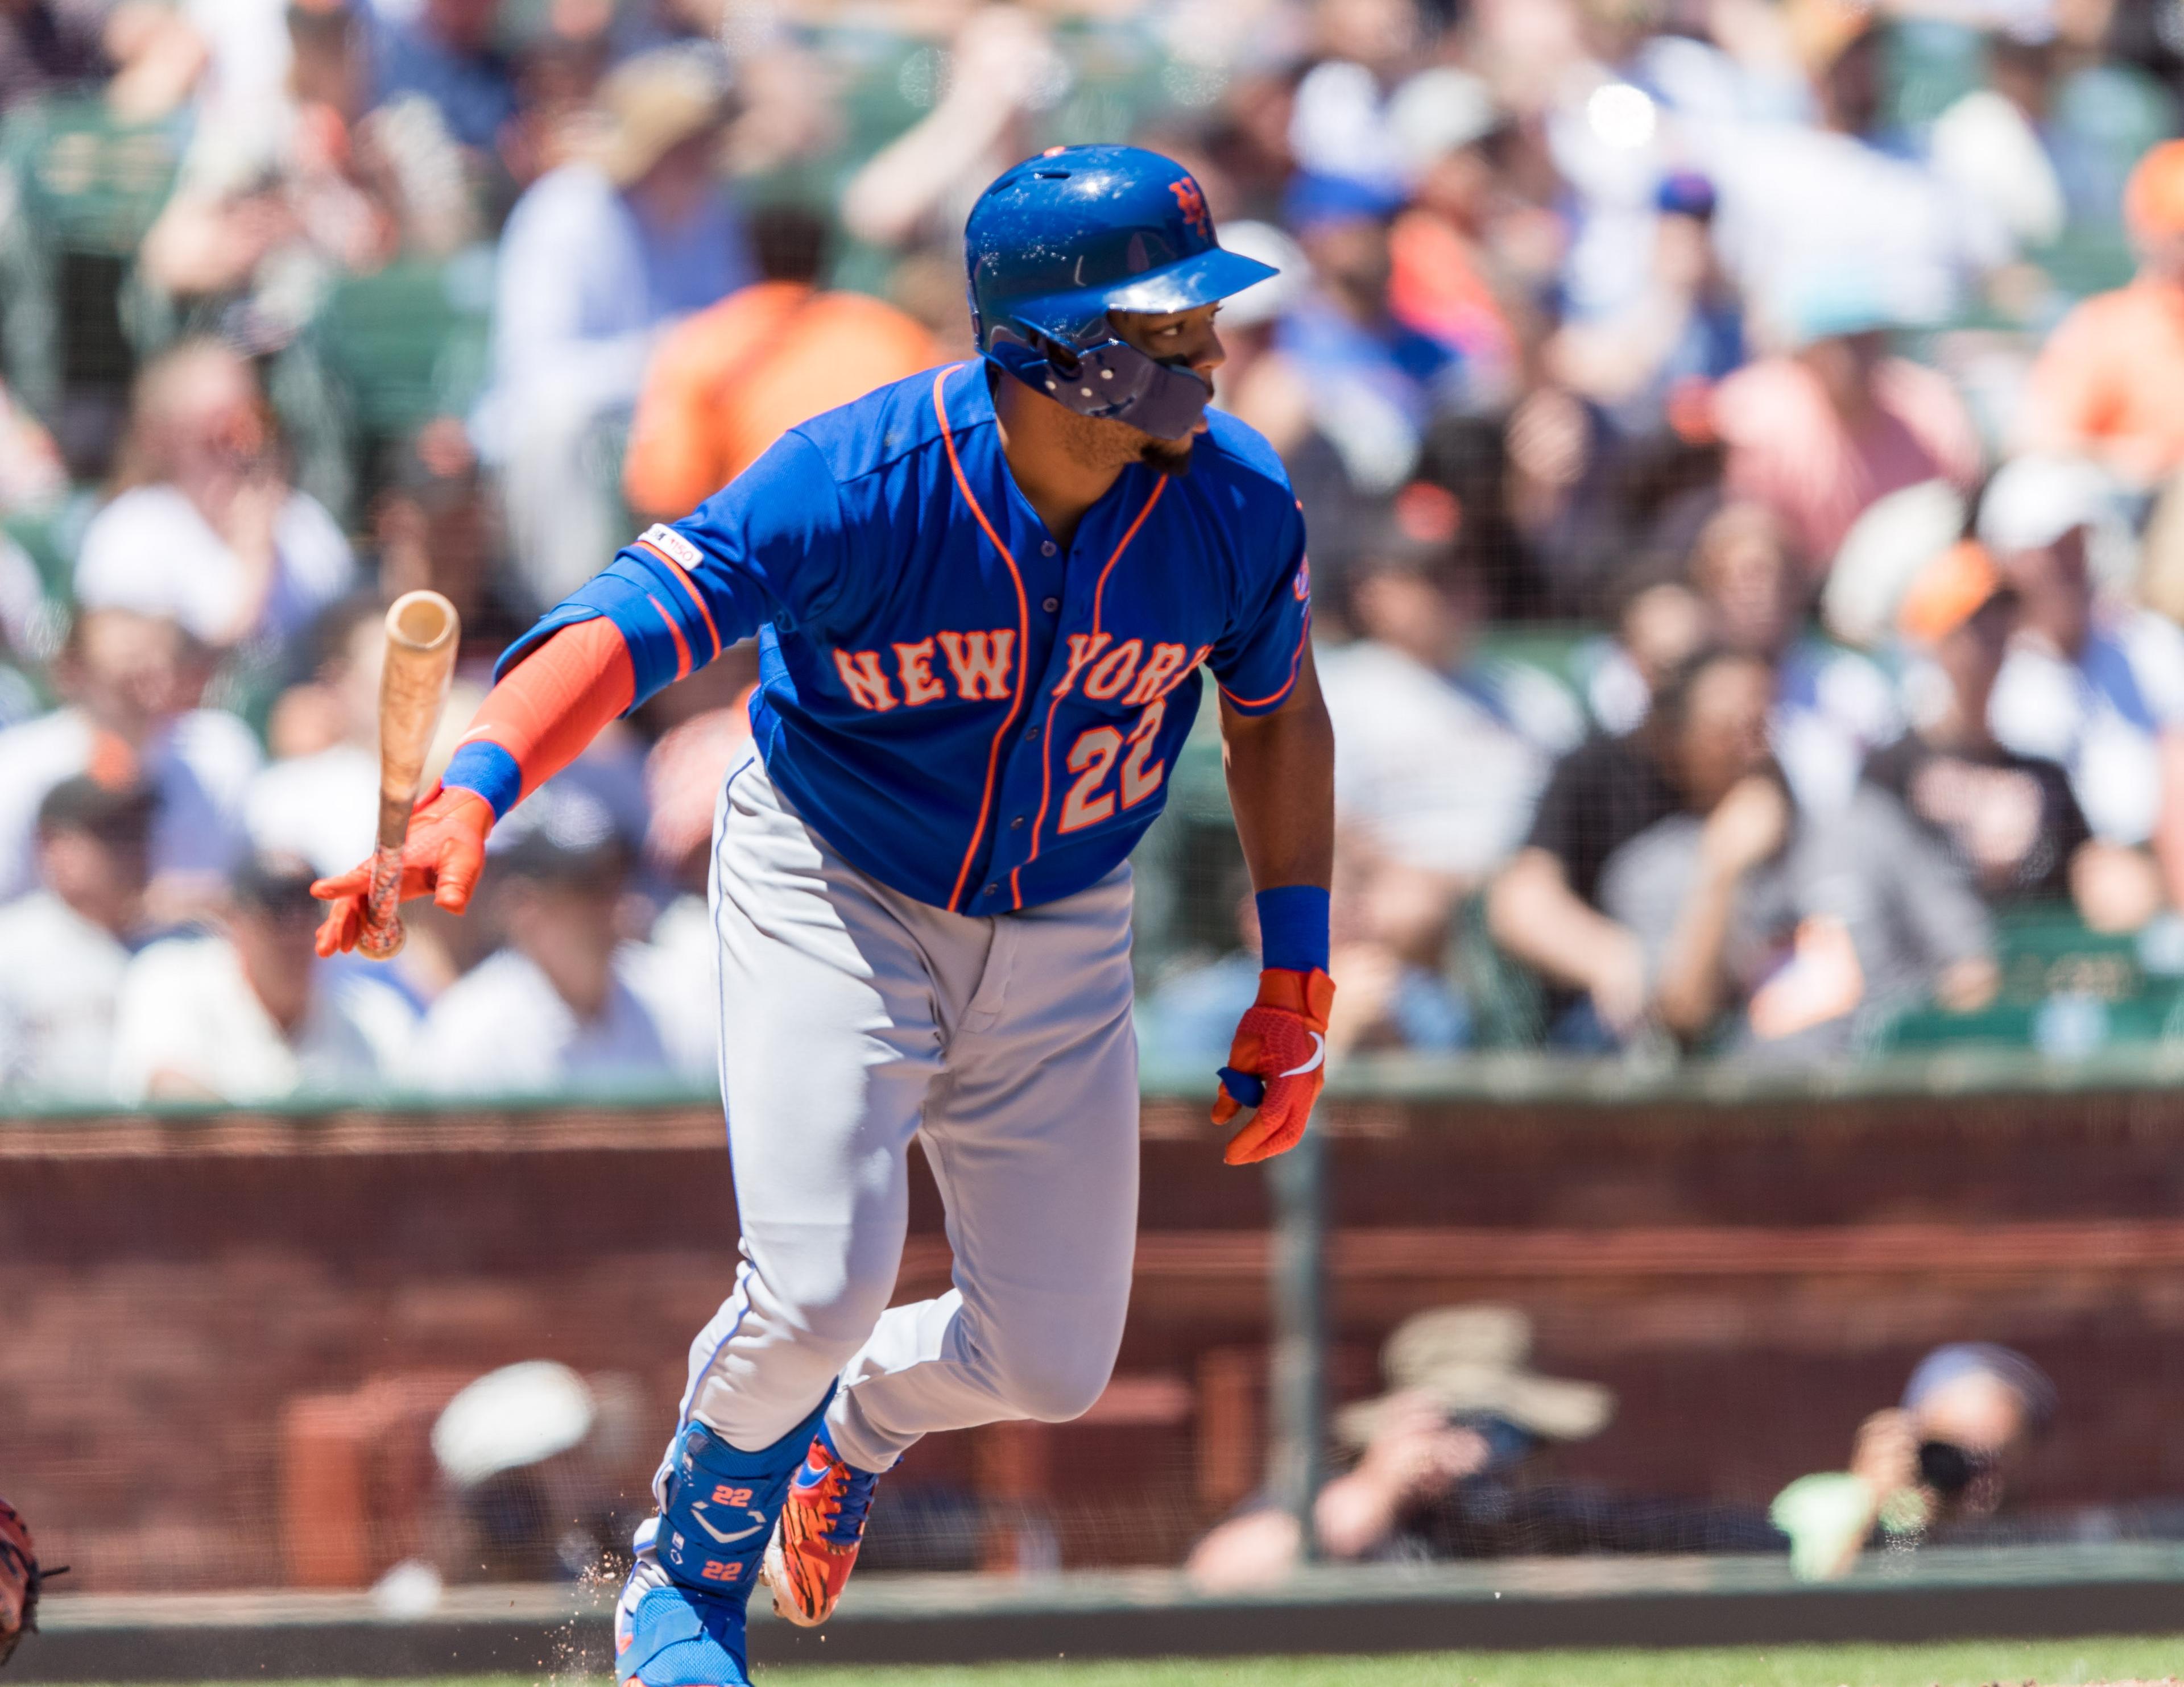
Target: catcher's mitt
point(19, 1580)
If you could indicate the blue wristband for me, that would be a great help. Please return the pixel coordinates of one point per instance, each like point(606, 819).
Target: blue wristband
point(1292, 927)
point(488, 769)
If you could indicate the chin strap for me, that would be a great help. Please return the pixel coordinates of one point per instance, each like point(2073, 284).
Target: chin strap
point(1112, 381)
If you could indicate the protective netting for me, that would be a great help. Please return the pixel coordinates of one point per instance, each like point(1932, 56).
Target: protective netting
point(1739, 452)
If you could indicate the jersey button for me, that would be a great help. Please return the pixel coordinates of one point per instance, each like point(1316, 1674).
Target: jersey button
point(1031, 735)
point(1052, 605)
point(1016, 824)
point(993, 890)
point(1047, 549)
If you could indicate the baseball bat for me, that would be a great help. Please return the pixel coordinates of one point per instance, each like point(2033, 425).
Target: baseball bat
point(422, 629)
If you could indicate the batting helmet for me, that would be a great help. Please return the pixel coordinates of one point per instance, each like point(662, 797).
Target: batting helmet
point(1062, 239)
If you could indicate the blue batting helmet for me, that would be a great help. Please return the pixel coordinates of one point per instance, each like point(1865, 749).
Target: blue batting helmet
point(1061, 240)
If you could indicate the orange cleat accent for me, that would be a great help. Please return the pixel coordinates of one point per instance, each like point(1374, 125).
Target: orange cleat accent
point(815, 1544)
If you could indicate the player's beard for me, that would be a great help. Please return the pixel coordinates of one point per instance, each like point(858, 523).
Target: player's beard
point(1165, 456)
point(1105, 443)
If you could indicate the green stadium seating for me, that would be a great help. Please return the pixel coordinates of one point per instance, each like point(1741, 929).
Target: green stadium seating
point(87, 189)
point(90, 183)
point(407, 343)
point(2066, 989)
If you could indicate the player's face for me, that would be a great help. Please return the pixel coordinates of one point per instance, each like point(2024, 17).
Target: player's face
point(1184, 339)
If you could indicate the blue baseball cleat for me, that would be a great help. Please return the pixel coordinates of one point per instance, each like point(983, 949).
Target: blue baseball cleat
point(669, 1636)
point(679, 1622)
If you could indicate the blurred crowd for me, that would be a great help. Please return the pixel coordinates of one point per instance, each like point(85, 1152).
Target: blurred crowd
point(1737, 436)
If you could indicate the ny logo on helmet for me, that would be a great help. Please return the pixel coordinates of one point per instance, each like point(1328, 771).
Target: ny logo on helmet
point(1193, 202)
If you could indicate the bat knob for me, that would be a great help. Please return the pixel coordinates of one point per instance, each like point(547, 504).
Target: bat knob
point(381, 942)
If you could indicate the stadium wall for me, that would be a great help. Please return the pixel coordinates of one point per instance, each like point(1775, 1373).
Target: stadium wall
point(217, 1328)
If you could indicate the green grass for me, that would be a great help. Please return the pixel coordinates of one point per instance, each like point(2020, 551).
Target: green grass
point(1971, 1663)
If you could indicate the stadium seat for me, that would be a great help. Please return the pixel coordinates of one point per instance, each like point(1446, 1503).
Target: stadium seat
point(87, 188)
point(407, 343)
point(2066, 991)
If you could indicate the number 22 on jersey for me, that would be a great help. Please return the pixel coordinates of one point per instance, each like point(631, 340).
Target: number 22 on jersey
point(1093, 757)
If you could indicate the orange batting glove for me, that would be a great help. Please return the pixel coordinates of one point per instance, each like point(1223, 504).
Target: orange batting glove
point(440, 858)
point(1277, 1064)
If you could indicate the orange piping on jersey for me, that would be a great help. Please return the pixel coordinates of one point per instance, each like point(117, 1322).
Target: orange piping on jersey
point(1046, 751)
point(1099, 592)
point(675, 633)
point(1023, 636)
point(1295, 659)
point(688, 585)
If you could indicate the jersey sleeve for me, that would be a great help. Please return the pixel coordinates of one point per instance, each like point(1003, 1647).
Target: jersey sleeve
point(1256, 662)
point(767, 548)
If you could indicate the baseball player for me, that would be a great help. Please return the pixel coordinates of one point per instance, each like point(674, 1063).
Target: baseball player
point(983, 596)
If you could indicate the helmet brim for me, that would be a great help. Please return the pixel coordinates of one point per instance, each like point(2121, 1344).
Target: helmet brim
point(1183, 285)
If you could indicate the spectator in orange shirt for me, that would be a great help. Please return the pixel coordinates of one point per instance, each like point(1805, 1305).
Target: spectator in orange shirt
point(733, 378)
point(2109, 383)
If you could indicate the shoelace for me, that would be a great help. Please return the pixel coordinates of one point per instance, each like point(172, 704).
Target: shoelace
point(847, 1506)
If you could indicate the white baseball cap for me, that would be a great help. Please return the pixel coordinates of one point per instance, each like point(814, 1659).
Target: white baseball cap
point(1438, 112)
point(517, 1416)
point(1883, 553)
point(2033, 501)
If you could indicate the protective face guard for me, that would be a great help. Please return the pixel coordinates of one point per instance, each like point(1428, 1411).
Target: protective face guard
point(1111, 380)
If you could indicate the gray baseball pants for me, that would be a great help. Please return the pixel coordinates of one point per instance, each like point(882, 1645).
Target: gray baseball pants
point(855, 1018)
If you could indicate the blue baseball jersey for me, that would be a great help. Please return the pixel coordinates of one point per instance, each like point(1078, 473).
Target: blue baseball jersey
point(970, 712)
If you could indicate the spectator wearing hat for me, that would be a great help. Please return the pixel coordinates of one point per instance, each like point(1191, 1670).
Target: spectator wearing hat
point(1654, 359)
point(2008, 820)
point(598, 256)
point(2110, 382)
point(1446, 280)
point(128, 681)
point(563, 1004)
point(1771, 928)
point(1454, 1461)
point(2098, 687)
point(1822, 432)
point(1375, 382)
point(1935, 1468)
point(64, 947)
point(248, 1013)
point(733, 378)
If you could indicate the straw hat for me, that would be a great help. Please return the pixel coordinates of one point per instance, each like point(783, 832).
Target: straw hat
point(653, 104)
point(1471, 1359)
